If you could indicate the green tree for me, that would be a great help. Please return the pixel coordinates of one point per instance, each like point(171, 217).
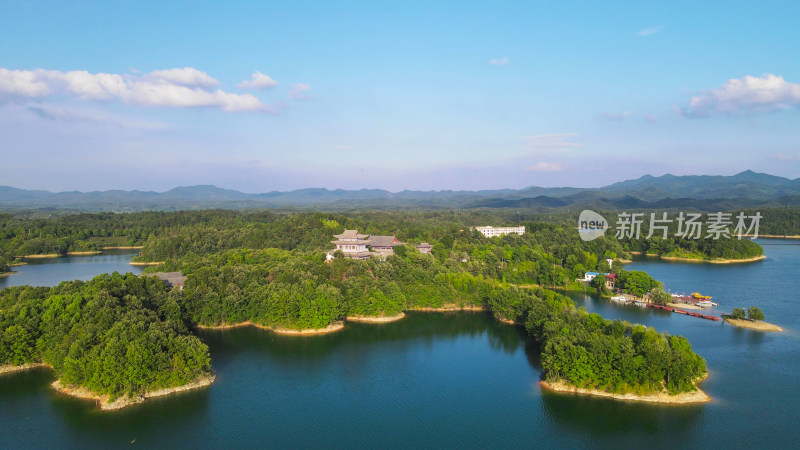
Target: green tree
point(738, 313)
point(755, 313)
point(660, 296)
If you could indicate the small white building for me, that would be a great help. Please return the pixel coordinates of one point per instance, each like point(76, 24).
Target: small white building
point(490, 231)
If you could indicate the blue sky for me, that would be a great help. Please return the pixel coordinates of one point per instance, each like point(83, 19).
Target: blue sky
point(261, 96)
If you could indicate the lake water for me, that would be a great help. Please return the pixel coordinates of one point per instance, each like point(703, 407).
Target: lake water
point(452, 380)
point(51, 271)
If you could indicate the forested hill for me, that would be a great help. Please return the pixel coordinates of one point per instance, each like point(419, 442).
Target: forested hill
point(124, 335)
point(746, 189)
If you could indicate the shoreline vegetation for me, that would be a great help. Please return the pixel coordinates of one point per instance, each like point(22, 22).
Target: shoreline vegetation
point(10, 368)
point(104, 401)
point(336, 326)
point(683, 398)
point(447, 308)
point(107, 404)
point(376, 319)
point(124, 247)
point(753, 324)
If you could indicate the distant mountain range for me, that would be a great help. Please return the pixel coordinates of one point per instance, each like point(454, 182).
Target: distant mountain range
point(703, 192)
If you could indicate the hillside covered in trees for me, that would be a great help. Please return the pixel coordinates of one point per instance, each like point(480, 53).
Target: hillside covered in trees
point(123, 335)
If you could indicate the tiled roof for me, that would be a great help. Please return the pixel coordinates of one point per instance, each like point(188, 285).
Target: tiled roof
point(383, 241)
point(171, 278)
point(351, 234)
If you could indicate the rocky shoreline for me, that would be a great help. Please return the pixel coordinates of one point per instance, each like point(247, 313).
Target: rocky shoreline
point(376, 319)
point(714, 261)
point(336, 326)
point(446, 308)
point(697, 396)
point(106, 404)
point(8, 368)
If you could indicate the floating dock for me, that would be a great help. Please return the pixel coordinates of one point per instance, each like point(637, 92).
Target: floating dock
point(688, 313)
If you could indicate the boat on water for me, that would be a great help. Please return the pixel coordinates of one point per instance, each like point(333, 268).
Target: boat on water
point(640, 303)
point(696, 298)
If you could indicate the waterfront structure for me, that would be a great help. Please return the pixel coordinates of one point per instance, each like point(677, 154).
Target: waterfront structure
point(490, 231)
point(357, 246)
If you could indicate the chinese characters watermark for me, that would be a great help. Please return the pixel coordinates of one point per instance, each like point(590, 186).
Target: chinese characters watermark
point(592, 225)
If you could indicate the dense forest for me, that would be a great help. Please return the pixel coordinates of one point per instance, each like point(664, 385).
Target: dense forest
point(270, 269)
point(115, 335)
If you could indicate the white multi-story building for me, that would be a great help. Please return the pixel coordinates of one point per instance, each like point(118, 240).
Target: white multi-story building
point(491, 231)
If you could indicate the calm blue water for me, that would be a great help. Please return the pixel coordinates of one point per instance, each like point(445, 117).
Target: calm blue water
point(51, 271)
point(451, 380)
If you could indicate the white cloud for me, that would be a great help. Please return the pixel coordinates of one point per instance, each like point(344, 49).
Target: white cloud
point(297, 91)
point(23, 83)
point(343, 147)
point(652, 118)
point(550, 142)
point(649, 31)
point(617, 117)
point(745, 95)
point(499, 61)
point(179, 88)
point(187, 76)
point(545, 167)
point(258, 81)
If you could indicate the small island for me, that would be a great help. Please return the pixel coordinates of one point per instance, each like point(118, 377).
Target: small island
point(753, 319)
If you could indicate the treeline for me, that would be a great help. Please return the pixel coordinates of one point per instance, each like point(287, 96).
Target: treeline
point(778, 221)
point(116, 334)
point(93, 231)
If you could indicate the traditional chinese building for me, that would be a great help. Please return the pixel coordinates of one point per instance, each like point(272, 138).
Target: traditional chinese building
point(357, 246)
point(383, 244)
point(424, 248)
point(171, 279)
point(353, 244)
